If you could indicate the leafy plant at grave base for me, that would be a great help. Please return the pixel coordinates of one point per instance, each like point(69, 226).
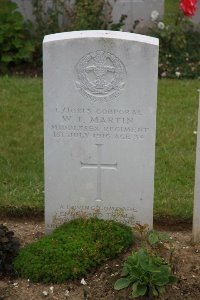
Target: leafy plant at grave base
point(157, 243)
point(72, 250)
point(145, 270)
point(15, 44)
point(147, 273)
point(179, 55)
point(9, 247)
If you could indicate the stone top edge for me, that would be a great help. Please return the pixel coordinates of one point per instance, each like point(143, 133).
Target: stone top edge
point(101, 34)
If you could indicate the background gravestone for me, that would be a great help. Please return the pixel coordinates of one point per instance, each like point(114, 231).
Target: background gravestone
point(196, 18)
point(26, 8)
point(134, 9)
point(196, 210)
point(100, 90)
point(137, 10)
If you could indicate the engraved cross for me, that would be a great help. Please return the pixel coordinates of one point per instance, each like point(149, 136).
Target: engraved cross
point(99, 166)
point(100, 69)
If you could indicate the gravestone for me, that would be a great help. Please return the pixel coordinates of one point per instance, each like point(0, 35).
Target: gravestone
point(100, 90)
point(137, 10)
point(196, 19)
point(196, 210)
point(134, 9)
point(26, 9)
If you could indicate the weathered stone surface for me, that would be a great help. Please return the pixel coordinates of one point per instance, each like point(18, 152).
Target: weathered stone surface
point(196, 18)
point(100, 90)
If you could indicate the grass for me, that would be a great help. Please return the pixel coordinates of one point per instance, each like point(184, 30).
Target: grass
point(176, 147)
point(21, 144)
point(171, 9)
point(21, 147)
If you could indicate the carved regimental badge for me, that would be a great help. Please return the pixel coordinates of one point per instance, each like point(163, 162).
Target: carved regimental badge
point(100, 75)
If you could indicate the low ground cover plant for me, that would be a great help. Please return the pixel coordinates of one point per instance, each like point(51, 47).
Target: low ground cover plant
point(72, 250)
point(145, 270)
point(147, 273)
point(9, 247)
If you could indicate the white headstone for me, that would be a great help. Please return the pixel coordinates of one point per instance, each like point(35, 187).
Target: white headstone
point(137, 10)
point(100, 90)
point(196, 210)
point(196, 18)
point(26, 9)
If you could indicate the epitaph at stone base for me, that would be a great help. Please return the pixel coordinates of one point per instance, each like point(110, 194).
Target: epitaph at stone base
point(100, 90)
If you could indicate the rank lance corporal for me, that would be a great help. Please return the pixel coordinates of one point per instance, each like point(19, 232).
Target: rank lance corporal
point(98, 111)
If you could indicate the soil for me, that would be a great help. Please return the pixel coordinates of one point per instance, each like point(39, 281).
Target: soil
point(99, 284)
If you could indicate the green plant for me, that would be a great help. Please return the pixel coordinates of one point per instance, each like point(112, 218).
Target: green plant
point(156, 242)
point(155, 237)
point(94, 15)
point(145, 270)
point(9, 247)
point(16, 46)
point(60, 16)
point(89, 14)
point(72, 250)
point(50, 17)
point(147, 273)
point(179, 55)
point(151, 237)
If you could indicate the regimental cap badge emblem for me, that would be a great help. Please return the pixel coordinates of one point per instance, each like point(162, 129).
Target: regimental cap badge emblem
point(100, 76)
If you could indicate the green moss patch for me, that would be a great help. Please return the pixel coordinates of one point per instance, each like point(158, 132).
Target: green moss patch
point(72, 250)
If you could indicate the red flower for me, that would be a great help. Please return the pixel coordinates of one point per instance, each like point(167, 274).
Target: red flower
point(188, 7)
